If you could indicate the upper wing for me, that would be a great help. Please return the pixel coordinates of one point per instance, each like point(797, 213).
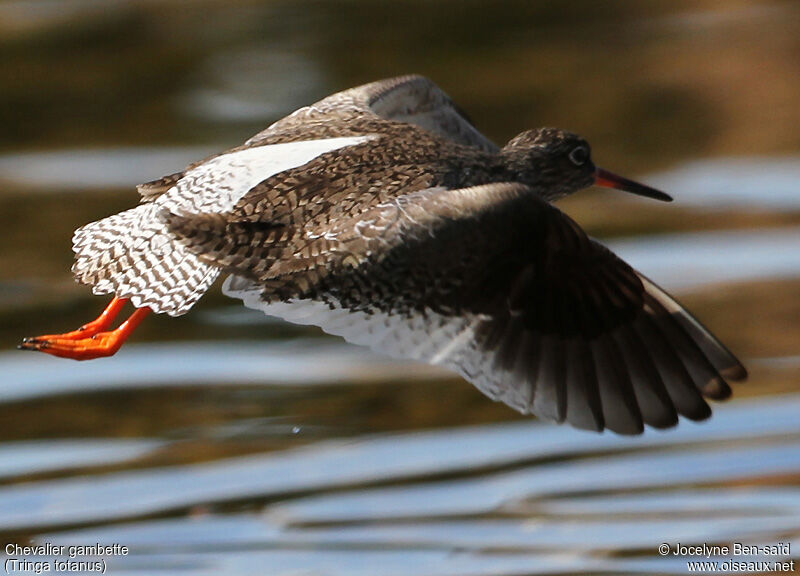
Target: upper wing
point(411, 99)
point(502, 287)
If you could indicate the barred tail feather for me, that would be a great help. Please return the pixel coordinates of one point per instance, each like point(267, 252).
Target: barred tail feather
point(132, 255)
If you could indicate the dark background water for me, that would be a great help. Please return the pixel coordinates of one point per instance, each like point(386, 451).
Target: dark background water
point(225, 442)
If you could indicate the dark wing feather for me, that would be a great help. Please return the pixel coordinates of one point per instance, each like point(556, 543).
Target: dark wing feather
point(536, 314)
point(607, 346)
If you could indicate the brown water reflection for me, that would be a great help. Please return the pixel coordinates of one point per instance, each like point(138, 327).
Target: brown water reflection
point(380, 468)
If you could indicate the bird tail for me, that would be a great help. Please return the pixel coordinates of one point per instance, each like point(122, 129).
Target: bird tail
point(132, 255)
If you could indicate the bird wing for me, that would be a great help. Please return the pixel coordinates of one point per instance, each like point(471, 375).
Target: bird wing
point(409, 99)
point(406, 99)
point(504, 288)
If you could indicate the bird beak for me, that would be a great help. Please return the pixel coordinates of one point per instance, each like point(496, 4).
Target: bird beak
point(610, 180)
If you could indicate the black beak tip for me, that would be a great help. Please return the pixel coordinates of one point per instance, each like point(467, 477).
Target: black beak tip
point(610, 180)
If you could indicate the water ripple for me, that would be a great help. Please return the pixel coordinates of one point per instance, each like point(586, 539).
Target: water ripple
point(331, 464)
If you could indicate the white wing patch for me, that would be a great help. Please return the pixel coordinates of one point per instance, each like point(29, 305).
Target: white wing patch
point(133, 255)
point(217, 185)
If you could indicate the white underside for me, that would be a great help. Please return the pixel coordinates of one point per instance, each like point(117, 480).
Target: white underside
point(428, 338)
point(447, 341)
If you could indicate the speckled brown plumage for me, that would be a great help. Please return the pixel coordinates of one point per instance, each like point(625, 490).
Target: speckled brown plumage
point(381, 214)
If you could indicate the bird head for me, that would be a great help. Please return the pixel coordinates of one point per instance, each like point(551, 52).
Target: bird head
point(557, 163)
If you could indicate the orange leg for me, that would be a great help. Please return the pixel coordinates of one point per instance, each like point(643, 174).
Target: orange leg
point(90, 341)
point(102, 322)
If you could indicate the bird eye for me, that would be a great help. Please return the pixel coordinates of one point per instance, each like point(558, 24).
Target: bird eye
point(579, 155)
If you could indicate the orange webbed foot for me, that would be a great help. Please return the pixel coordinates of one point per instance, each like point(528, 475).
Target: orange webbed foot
point(90, 340)
point(97, 346)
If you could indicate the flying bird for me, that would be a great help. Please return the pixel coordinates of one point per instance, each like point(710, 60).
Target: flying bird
point(382, 215)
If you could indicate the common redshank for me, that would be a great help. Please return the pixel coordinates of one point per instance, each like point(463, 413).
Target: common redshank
point(382, 215)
